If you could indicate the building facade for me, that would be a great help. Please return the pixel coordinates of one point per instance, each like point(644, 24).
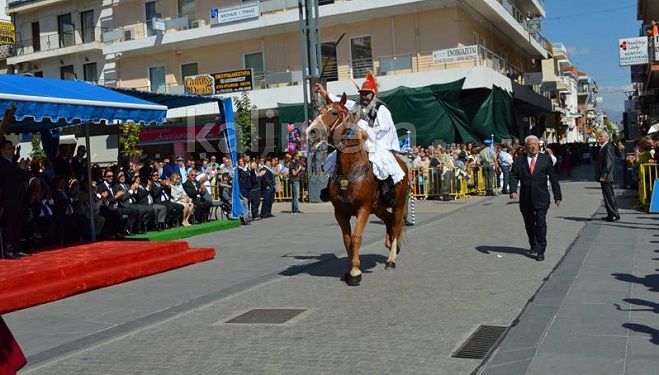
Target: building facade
point(155, 45)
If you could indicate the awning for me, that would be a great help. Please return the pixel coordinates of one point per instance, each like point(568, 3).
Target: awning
point(57, 103)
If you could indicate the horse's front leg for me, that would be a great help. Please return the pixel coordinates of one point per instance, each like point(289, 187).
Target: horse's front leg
point(355, 275)
point(344, 224)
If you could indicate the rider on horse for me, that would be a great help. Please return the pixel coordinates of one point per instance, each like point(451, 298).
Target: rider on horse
point(375, 118)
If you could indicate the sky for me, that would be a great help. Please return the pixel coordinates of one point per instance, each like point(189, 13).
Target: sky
point(590, 30)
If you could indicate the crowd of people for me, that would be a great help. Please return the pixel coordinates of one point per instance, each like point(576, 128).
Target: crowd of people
point(47, 203)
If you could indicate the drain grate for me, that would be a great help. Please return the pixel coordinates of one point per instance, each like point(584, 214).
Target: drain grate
point(266, 316)
point(481, 342)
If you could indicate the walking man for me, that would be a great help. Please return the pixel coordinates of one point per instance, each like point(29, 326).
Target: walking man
point(532, 170)
point(606, 160)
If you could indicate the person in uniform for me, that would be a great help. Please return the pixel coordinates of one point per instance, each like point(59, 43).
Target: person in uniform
point(375, 118)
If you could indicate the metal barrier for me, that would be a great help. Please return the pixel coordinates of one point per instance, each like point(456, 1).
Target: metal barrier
point(284, 189)
point(438, 182)
point(648, 173)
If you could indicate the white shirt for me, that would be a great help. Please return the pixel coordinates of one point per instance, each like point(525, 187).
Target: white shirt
point(383, 133)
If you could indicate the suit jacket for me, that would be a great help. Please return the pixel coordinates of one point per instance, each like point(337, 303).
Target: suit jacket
point(533, 190)
point(62, 203)
point(142, 195)
point(126, 199)
point(12, 184)
point(192, 190)
point(605, 163)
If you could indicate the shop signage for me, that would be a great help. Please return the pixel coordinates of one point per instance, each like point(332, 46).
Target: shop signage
point(203, 84)
point(158, 24)
point(175, 134)
point(7, 34)
point(455, 55)
point(633, 51)
point(237, 80)
point(242, 12)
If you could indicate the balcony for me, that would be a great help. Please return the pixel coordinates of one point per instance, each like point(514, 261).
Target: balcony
point(56, 44)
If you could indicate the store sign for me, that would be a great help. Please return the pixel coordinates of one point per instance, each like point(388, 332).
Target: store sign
point(171, 134)
point(7, 34)
point(633, 51)
point(203, 84)
point(455, 55)
point(238, 80)
point(234, 14)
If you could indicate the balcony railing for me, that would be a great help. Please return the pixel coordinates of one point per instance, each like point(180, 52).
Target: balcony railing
point(522, 19)
point(144, 29)
point(56, 41)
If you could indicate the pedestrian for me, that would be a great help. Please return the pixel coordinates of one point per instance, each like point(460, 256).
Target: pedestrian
point(605, 175)
point(532, 170)
point(267, 188)
point(487, 161)
point(505, 162)
point(295, 170)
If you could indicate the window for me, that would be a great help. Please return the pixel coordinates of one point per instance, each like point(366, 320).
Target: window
point(186, 8)
point(361, 52)
point(89, 71)
point(157, 79)
point(328, 61)
point(87, 26)
point(151, 11)
point(255, 62)
point(66, 72)
point(188, 70)
point(66, 30)
point(38, 74)
point(36, 37)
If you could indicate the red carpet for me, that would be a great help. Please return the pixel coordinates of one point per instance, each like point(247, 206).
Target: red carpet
point(55, 274)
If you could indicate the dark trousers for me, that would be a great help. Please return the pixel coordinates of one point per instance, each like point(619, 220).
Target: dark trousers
point(254, 202)
point(202, 209)
point(12, 225)
point(133, 216)
point(535, 221)
point(505, 183)
point(609, 199)
point(488, 175)
point(268, 199)
point(112, 223)
point(174, 212)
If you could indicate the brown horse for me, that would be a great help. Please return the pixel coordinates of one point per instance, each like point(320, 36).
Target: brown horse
point(354, 189)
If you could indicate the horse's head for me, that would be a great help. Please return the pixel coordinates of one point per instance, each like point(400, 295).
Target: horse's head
point(335, 125)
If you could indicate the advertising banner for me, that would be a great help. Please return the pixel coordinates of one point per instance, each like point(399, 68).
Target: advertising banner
point(633, 51)
point(7, 34)
point(455, 55)
point(237, 80)
point(234, 14)
point(171, 134)
point(203, 84)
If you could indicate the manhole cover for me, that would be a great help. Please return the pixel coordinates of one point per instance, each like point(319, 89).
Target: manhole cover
point(481, 342)
point(267, 316)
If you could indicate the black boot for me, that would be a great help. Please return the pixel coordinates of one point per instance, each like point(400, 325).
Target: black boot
point(388, 192)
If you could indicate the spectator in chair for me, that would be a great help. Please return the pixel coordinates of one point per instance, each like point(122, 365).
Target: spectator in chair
point(179, 197)
point(196, 192)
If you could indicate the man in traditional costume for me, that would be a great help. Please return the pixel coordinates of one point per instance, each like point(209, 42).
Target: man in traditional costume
point(375, 118)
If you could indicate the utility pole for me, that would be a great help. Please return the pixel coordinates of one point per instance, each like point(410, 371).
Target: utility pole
point(310, 57)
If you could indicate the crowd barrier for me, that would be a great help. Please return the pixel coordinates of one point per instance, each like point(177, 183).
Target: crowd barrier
point(647, 174)
point(427, 183)
point(441, 182)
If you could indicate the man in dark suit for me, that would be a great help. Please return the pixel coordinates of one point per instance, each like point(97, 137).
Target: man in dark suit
point(532, 170)
point(162, 195)
point(606, 159)
point(196, 192)
point(13, 191)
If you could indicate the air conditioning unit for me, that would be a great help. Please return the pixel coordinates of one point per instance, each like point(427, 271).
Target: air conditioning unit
point(128, 34)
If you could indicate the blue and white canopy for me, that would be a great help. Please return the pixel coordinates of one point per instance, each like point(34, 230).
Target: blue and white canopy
point(60, 103)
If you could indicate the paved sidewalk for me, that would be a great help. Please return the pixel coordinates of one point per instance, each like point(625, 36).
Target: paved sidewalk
point(597, 313)
point(456, 272)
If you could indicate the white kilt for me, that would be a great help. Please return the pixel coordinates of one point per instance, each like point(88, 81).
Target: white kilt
point(383, 161)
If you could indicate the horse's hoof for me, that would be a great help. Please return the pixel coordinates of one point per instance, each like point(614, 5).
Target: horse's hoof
point(352, 280)
point(390, 265)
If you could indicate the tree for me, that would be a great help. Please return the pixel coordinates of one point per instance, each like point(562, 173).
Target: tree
point(245, 127)
point(130, 137)
point(37, 153)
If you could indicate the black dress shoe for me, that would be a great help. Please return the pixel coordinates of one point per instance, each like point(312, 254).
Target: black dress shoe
point(22, 254)
point(532, 252)
point(606, 218)
point(11, 255)
point(615, 218)
point(540, 257)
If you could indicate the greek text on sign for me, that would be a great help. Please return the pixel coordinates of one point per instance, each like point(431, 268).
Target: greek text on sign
point(238, 80)
point(455, 55)
point(7, 34)
point(203, 84)
point(633, 51)
point(233, 14)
